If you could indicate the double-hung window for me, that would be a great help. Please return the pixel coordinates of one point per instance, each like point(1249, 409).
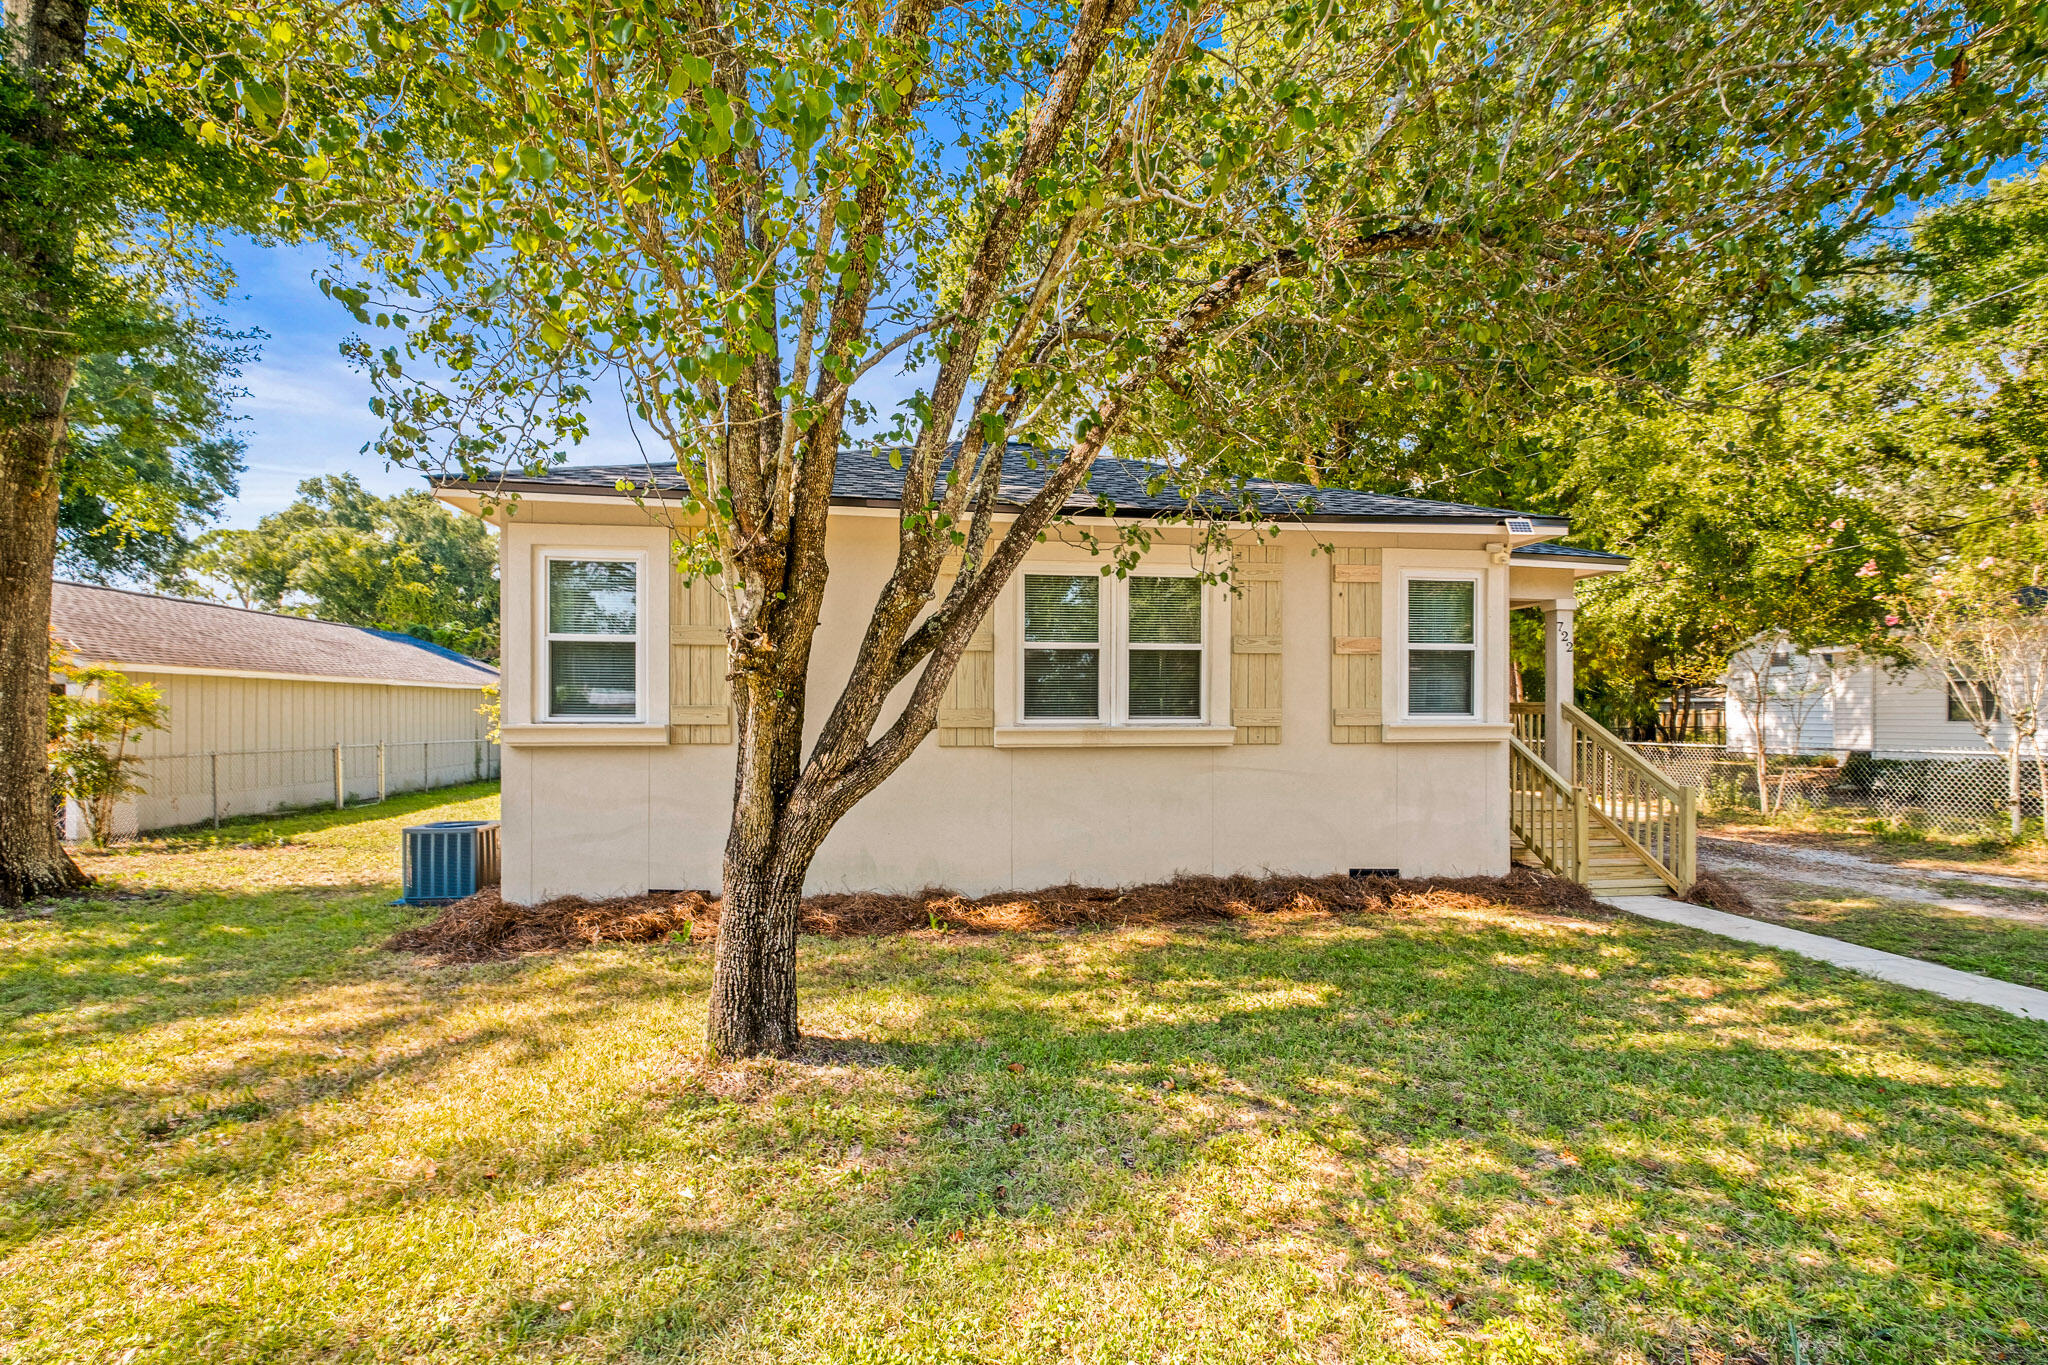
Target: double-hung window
point(1162, 648)
point(593, 638)
point(1062, 647)
point(1114, 651)
point(1443, 648)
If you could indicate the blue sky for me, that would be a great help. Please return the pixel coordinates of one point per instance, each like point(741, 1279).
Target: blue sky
point(307, 412)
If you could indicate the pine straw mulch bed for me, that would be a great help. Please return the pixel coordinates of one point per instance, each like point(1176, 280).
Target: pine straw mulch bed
point(1716, 892)
point(485, 927)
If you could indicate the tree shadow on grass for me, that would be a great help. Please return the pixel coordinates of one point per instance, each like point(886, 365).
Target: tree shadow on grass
point(85, 970)
point(1802, 1152)
point(100, 968)
point(1644, 1139)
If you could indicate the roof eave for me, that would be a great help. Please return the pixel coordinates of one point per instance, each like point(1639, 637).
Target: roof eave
point(594, 493)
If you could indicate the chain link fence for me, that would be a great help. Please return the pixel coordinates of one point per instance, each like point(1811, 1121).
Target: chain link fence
point(195, 789)
point(1938, 790)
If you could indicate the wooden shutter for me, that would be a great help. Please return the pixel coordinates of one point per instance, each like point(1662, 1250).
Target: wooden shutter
point(1255, 644)
point(1355, 647)
point(699, 697)
point(967, 713)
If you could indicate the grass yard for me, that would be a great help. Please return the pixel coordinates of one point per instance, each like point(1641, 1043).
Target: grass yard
point(2010, 949)
point(233, 1129)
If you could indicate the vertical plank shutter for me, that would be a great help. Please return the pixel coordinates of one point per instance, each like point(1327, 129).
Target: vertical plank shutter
point(967, 713)
point(699, 697)
point(1355, 647)
point(1255, 644)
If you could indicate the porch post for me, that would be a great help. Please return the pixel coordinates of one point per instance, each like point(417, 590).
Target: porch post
point(1557, 687)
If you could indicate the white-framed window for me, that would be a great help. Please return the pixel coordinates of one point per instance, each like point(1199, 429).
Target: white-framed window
point(1440, 643)
point(1109, 651)
point(592, 617)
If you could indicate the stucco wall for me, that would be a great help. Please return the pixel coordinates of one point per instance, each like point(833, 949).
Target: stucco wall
point(620, 818)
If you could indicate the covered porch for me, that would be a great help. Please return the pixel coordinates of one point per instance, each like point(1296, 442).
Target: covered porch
point(1581, 802)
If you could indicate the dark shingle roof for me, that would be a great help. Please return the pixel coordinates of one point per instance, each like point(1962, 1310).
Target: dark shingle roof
point(139, 629)
point(865, 477)
point(1550, 549)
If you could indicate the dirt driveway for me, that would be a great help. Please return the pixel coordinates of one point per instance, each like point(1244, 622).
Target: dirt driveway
point(1780, 872)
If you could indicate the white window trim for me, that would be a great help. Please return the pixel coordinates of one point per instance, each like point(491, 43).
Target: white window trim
point(543, 674)
point(1112, 636)
point(1477, 579)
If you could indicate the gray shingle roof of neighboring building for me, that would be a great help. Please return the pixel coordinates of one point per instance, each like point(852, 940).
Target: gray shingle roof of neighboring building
point(864, 476)
point(140, 630)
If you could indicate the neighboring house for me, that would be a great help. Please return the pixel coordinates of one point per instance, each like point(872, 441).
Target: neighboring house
point(1695, 716)
point(1341, 711)
point(1842, 702)
point(265, 710)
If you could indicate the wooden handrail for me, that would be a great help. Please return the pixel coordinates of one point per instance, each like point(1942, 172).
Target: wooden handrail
point(1654, 817)
point(1600, 737)
point(1546, 813)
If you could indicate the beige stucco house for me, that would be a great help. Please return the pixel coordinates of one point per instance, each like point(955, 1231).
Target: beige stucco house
point(1347, 707)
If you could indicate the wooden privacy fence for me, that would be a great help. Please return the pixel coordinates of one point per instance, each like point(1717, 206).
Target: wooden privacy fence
point(1615, 805)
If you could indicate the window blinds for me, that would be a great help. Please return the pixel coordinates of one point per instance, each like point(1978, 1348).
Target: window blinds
point(593, 677)
point(1440, 680)
point(1166, 649)
point(1439, 613)
point(1062, 609)
point(592, 597)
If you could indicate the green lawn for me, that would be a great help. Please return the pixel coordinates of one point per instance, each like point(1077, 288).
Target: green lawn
point(2009, 949)
point(232, 1129)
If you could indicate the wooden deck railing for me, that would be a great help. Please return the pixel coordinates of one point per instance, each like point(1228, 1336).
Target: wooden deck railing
point(1528, 719)
point(1647, 811)
point(1547, 813)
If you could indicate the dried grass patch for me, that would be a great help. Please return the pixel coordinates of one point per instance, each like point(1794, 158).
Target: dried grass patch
point(485, 926)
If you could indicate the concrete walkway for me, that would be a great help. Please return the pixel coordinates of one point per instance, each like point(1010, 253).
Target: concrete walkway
point(2024, 1001)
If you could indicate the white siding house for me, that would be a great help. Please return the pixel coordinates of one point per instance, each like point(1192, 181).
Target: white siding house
point(264, 709)
point(1347, 708)
point(1857, 705)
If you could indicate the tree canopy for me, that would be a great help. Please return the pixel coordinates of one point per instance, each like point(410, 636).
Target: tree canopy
point(153, 452)
point(1803, 476)
point(109, 196)
point(340, 553)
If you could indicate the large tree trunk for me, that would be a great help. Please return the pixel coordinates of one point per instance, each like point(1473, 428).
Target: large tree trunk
point(42, 39)
point(753, 977)
point(753, 984)
point(32, 858)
